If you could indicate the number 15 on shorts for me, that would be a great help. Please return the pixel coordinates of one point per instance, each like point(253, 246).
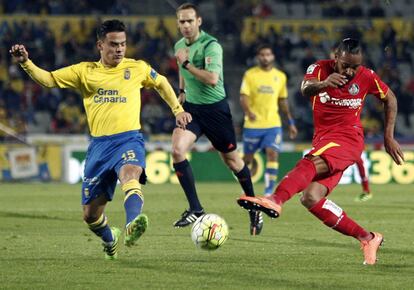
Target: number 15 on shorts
point(129, 156)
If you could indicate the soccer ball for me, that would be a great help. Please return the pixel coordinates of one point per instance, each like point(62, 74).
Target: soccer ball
point(209, 232)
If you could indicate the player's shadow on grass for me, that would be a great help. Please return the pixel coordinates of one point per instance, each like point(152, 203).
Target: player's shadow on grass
point(320, 243)
point(31, 216)
point(254, 240)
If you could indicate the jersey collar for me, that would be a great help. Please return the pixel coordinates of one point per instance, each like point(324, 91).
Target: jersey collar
point(200, 36)
point(100, 64)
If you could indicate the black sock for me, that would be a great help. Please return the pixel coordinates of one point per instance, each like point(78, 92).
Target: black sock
point(245, 181)
point(185, 176)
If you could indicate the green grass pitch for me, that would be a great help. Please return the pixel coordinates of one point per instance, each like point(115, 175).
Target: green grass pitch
point(45, 245)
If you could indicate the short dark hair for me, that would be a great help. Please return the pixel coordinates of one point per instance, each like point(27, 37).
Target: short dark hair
point(262, 46)
point(108, 26)
point(349, 45)
point(188, 6)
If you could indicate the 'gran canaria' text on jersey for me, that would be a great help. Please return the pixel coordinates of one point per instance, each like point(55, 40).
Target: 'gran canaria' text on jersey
point(108, 96)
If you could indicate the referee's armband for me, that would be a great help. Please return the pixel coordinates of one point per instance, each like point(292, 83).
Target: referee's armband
point(291, 122)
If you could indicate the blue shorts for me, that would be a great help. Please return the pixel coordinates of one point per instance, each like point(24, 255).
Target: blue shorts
point(255, 139)
point(104, 159)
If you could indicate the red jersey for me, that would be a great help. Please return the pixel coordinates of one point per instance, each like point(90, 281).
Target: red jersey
point(339, 109)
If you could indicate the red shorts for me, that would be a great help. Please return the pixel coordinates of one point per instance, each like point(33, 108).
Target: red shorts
point(339, 150)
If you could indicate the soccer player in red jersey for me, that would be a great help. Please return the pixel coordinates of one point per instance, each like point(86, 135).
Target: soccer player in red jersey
point(366, 193)
point(337, 89)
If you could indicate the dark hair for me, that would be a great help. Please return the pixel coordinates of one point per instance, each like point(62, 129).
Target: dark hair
point(262, 46)
point(108, 26)
point(188, 6)
point(349, 45)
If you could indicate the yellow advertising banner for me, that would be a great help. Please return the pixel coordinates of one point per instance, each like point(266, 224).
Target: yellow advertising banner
point(48, 160)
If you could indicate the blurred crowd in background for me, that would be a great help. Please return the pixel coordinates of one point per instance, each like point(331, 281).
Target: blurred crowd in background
point(27, 107)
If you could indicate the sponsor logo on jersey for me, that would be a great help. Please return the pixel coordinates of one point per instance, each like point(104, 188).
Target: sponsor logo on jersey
point(265, 90)
point(108, 96)
point(127, 74)
point(353, 89)
point(311, 68)
point(350, 103)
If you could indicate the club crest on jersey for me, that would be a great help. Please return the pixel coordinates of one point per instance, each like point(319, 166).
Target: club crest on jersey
point(353, 89)
point(127, 74)
point(311, 68)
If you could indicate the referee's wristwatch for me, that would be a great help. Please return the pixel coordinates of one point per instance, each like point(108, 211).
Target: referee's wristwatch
point(185, 64)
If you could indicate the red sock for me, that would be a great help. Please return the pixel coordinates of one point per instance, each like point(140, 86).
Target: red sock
point(295, 181)
point(365, 185)
point(334, 217)
point(364, 178)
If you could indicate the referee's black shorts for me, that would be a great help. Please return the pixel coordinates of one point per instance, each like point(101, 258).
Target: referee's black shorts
point(214, 121)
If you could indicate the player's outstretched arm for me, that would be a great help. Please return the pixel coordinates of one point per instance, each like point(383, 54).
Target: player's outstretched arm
point(41, 76)
point(167, 93)
point(391, 145)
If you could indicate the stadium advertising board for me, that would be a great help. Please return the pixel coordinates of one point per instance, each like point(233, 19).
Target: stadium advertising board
point(207, 166)
point(38, 162)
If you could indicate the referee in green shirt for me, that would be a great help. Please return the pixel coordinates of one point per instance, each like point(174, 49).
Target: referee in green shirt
point(200, 60)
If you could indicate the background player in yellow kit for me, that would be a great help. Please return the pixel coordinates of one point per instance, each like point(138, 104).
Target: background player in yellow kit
point(262, 93)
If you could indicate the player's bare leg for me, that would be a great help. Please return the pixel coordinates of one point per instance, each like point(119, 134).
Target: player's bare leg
point(136, 222)
point(93, 215)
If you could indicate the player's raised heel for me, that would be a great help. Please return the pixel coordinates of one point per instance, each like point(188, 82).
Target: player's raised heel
point(111, 249)
point(370, 248)
point(135, 229)
point(263, 204)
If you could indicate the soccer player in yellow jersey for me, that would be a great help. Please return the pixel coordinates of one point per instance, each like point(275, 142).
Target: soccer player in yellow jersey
point(110, 89)
point(263, 92)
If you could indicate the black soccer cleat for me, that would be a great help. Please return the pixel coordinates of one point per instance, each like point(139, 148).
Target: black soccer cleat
point(188, 217)
point(256, 222)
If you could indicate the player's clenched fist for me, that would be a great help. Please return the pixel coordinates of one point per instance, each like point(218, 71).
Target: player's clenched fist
point(19, 53)
point(335, 80)
point(182, 55)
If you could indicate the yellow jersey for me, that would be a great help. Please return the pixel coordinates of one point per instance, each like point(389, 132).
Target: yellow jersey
point(263, 89)
point(111, 95)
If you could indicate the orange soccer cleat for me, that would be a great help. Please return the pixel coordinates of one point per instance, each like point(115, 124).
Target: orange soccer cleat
point(370, 248)
point(264, 204)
